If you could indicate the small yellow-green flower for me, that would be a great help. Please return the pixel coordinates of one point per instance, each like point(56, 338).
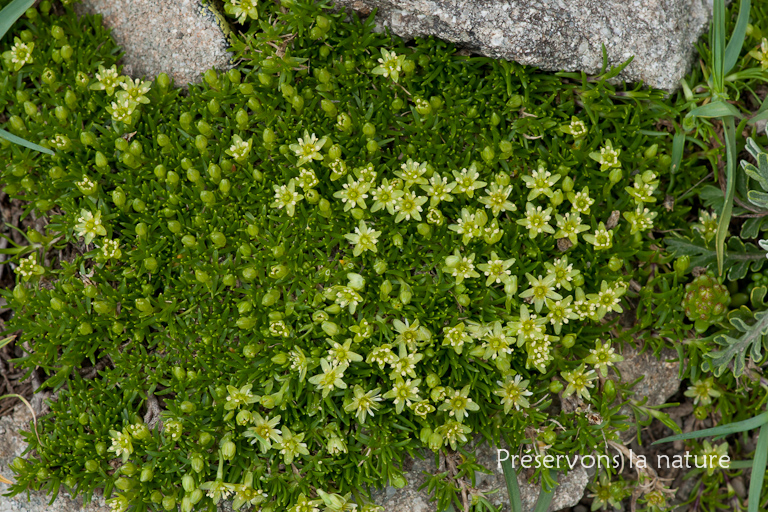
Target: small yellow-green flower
point(363, 403)
point(458, 404)
point(467, 181)
point(242, 9)
point(308, 148)
point(240, 149)
point(264, 431)
point(703, 391)
point(390, 65)
point(89, 225)
point(540, 182)
point(403, 393)
point(536, 220)
point(603, 356)
point(581, 200)
point(292, 446)
point(602, 238)
point(513, 393)
point(29, 267)
point(107, 80)
point(540, 289)
point(363, 239)
point(496, 270)
point(353, 193)
point(608, 157)
point(330, 379)
point(761, 54)
point(21, 53)
point(579, 381)
point(286, 197)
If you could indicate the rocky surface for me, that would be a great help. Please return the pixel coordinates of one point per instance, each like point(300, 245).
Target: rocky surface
point(183, 38)
point(660, 378)
point(11, 446)
point(492, 486)
point(560, 34)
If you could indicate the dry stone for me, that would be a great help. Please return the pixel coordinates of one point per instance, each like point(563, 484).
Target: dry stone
point(560, 34)
point(183, 38)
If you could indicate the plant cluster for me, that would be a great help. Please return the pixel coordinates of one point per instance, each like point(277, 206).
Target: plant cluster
point(339, 252)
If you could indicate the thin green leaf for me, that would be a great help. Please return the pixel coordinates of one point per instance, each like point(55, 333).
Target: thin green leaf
point(730, 190)
point(678, 144)
point(544, 500)
point(21, 142)
point(13, 12)
point(758, 470)
point(740, 464)
point(510, 475)
point(718, 46)
point(6, 341)
point(722, 430)
point(715, 109)
point(733, 50)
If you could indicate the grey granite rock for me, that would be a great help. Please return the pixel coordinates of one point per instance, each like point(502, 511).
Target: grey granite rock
point(183, 38)
point(660, 378)
point(560, 34)
point(11, 446)
point(492, 486)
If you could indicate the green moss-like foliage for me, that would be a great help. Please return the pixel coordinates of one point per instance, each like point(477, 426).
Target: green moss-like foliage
point(243, 267)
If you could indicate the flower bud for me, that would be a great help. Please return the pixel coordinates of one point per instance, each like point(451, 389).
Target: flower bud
point(397, 240)
point(169, 503)
point(228, 449)
point(146, 474)
point(124, 484)
point(243, 418)
point(681, 265)
point(188, 483)
point(615, 175)
point(385, 289)
point(91, 466)
point(650, 152)
point(568, 340)
point(356, 281)
point(405, 293)
point(330, 328)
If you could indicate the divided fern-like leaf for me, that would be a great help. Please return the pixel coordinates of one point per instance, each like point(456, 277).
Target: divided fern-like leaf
point(748, 338)
point(740, 258)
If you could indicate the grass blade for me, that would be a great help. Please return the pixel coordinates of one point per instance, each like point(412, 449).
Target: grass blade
point(722, 430)
point(758, 469)
point(545, 498)
point(730, 190)
point(718, 46)
point(733, 50)
point(715, 109)
point(13, 12)
point(678, 144)
point(740, 464)
point(21, 142)
point(510, 475)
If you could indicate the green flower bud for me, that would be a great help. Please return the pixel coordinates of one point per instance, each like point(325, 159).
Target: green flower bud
point(228, 450)
point(125, 484)
point(56, 304)
point(609, 390)
point(343, 122)
point(380, 266)
point(57, 32)
point(397, 240)
point(385, 289)
point(568, 340)
point(218, 239)
point(202, 276)
point(356, 281)
point(246, 322)
point(615, 263)
point(141, 229)
point(244, 417)
point(330, 328)
point(206, 438)
point(169, 503)
point(681, 265)
point(91, 466)
point(650, 152)
point(270, 297)
point(555, 386)
point(129, 469)
point(188, 483)
point(615, 175)
point(187, 407)
point(172, 178)
point(188, 240)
